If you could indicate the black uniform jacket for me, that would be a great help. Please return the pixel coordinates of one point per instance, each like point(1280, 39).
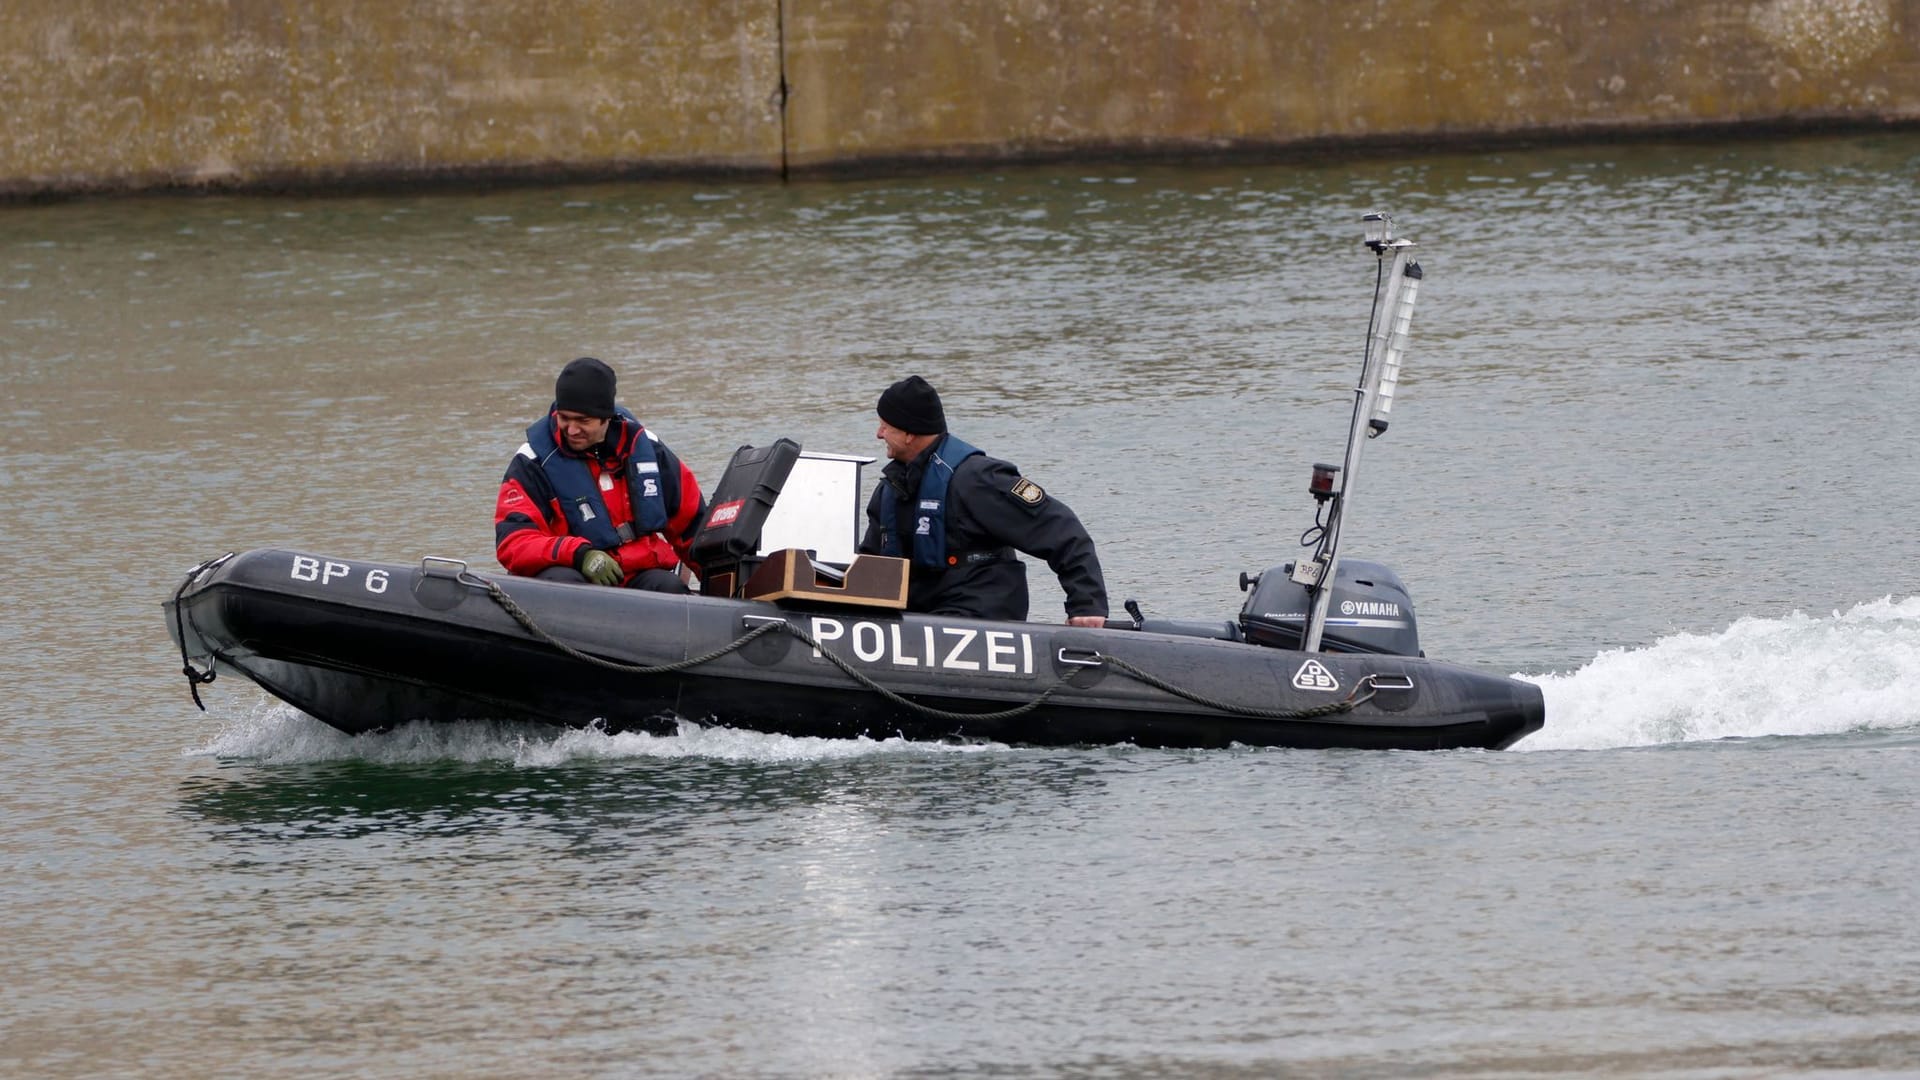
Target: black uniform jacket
point(988, 517)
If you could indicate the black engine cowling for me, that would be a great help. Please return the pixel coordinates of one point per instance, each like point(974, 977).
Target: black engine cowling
point(1370, 611)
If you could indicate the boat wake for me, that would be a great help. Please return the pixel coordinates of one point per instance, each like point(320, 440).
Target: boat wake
point(1857, 670)
point(277, 733)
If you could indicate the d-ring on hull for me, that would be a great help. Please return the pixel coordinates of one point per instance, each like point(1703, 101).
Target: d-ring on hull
point(364, 646)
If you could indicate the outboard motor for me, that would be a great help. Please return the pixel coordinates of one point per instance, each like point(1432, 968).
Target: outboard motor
point(1370, 611)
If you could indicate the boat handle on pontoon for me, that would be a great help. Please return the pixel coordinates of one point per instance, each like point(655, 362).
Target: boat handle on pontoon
point(446, 569)
point(1071, 656)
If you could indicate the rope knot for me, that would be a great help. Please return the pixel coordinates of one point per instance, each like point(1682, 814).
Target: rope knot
point(196, 679)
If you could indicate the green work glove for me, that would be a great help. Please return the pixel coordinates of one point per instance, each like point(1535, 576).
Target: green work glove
point(601, 568)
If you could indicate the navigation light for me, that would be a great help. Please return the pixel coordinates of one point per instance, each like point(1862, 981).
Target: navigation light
point(1326, 482)
point(1379, 228)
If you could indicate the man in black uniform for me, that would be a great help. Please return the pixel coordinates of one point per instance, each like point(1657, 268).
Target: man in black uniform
point(958, 515)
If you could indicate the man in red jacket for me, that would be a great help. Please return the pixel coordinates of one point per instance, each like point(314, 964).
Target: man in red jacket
point(592, 496)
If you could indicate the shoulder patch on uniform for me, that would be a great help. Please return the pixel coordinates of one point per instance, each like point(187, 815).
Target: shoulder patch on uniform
point(525, 451)
point(1029, 492)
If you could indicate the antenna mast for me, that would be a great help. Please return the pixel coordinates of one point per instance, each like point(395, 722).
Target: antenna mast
point(1395, 290)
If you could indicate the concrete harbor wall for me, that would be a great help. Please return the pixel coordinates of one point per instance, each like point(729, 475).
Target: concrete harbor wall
point(107, 95)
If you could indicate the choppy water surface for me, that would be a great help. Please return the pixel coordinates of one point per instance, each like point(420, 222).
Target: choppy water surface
point(1652, 451)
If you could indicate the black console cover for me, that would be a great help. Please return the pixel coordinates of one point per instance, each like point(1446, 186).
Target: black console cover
point(739, 506)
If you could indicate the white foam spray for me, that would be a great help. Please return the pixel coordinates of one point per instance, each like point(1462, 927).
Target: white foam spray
point(276, 733)
point(1794, 675)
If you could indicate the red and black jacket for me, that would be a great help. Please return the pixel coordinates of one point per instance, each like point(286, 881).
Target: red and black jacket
point(531, 531)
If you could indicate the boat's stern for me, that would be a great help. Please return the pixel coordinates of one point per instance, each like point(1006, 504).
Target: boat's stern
point(1521, 716)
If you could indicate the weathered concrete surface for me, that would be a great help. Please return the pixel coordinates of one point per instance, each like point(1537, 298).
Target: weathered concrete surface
point(105, 93)
point(982, 77)
point(108, 94)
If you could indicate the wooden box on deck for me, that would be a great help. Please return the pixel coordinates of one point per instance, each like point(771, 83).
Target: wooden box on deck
point(871, 581)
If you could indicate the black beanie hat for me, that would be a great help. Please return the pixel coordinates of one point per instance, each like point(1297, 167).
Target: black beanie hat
point(585, 386)
point(913, 406)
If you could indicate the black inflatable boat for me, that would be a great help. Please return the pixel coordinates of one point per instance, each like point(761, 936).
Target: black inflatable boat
point(1323, 653)
point(364, 646)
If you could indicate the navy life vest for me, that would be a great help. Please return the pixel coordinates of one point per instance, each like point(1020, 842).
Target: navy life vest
point(930, 512)
point(579, 493)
